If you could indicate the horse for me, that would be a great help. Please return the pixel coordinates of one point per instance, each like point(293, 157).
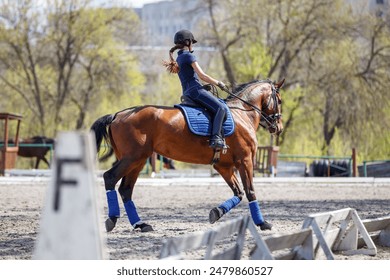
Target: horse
point(133, 134)
point(167, 163)
point(31, 149)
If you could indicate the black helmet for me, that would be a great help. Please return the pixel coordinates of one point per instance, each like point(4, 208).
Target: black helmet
point(183, 35)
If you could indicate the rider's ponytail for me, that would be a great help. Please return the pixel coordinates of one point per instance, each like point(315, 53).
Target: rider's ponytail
point(171, 65)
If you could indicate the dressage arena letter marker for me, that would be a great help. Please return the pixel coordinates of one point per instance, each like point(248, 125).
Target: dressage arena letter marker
point(70, 227)
point(60, 182)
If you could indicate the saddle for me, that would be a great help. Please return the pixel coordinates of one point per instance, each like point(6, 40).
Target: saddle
point(199, 119)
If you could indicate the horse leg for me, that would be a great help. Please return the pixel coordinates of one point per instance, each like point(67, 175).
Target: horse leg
point(46, 161)
point(128, 170)
point(111, 177)
point(231, 179)
point(246, 173)
point(37, 163)
point(126, 191)
point(39, 159)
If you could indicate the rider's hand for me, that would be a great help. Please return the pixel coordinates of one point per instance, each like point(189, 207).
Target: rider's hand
point(207, 87)
point(222, 86)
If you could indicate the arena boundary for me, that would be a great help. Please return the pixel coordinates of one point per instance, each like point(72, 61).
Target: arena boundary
point(379, 231)
point(293, 246)
point(297, 245)
point(173, 248)
point(335, 231)
point(338, 231)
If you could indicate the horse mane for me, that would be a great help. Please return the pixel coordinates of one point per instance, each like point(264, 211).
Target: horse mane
point(241, 89)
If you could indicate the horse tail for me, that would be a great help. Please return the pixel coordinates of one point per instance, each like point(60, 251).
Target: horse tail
point(100, 127)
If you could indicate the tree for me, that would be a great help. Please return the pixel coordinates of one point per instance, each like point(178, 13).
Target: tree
point(333, 59)
point(225, 33)
point(349, 86)
point(64, 59)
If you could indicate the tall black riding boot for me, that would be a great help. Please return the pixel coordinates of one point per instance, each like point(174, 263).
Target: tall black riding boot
point(217, 140)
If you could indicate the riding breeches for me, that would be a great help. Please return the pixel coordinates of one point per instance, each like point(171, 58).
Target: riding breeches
point(212, 104)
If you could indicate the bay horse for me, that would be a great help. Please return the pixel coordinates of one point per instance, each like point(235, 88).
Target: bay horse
point(29, 148)
point(135, 133)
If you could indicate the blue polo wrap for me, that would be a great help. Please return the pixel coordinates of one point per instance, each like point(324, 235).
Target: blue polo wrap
point(113, 205)
point(257, 217)
point(132, 212)
point(229, 204)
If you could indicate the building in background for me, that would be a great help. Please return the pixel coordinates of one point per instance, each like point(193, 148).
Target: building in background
point(377, 7)
point(161, 20)
point(374, 5)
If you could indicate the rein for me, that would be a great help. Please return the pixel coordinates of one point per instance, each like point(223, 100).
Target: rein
point(269, 119)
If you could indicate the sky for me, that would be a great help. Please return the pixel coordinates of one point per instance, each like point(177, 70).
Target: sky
point(140, 3)
point(127, 3)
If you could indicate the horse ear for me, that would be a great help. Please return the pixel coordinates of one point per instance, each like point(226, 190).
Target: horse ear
point(279, 84)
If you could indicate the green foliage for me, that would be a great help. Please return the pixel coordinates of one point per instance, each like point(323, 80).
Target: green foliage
point(303, 136)
point(64, 68)
point(252, 62)
point(58, 66)
point(166, 90)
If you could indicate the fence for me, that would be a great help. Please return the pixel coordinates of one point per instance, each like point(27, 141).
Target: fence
point(375, 168)
point(326, 166)
point(33, 150)
point(295, 245)
point(268, 162)
point(341, 231)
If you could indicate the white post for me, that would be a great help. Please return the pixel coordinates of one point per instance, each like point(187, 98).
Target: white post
point(70, 227)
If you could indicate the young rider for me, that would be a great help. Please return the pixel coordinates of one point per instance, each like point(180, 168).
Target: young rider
point(190, 74)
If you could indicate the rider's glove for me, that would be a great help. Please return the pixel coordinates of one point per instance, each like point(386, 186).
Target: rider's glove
point(222, 86)
point(207, 87)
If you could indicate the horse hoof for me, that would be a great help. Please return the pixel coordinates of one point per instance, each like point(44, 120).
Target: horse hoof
point(110, 224)
point(215, 214)
point(265, 226)
point(144, 227)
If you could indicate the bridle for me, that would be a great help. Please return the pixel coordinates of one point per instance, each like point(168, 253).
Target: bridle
point(267, 121)
point(272, 119)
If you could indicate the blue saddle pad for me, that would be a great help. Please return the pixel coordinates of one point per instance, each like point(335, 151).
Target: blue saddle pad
point(198, 120)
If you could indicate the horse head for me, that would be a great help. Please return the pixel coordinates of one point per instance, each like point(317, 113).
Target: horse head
point(264, 98)
point(271, 117)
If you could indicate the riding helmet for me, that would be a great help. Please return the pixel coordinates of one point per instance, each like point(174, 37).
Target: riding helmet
point(183, 35)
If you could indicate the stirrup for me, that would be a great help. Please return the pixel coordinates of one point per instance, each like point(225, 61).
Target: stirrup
point(217, 142)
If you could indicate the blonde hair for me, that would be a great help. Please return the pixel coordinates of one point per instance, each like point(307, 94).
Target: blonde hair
point(171, 65)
